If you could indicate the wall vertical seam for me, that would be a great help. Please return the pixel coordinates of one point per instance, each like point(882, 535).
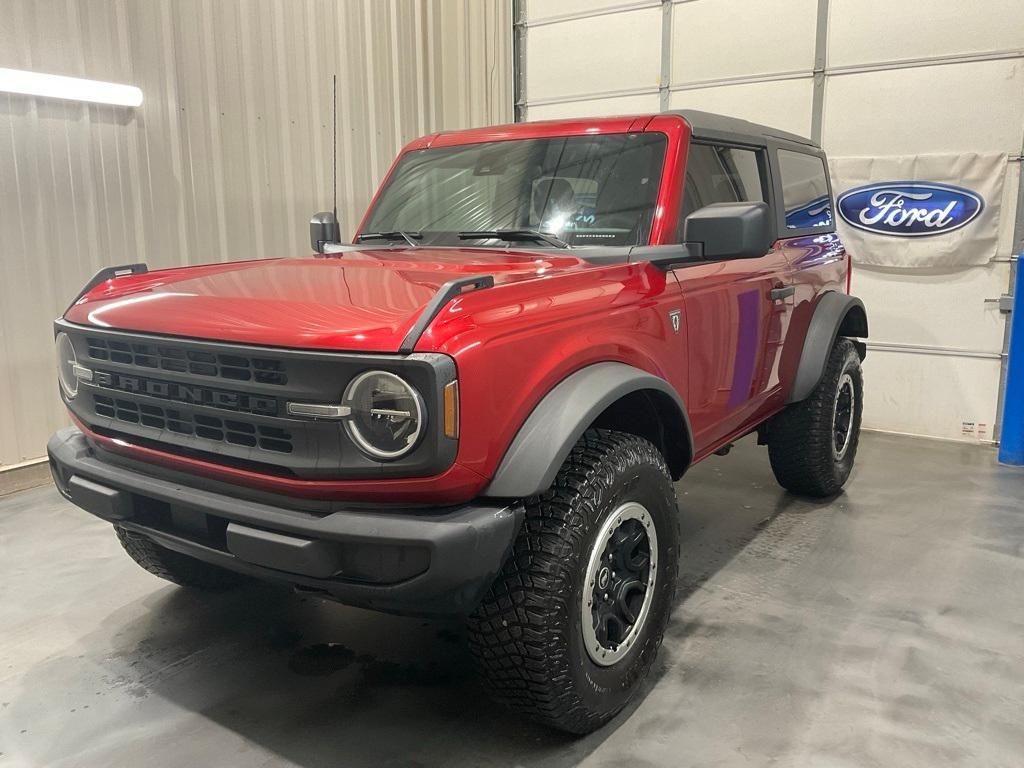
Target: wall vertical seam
point(820, 74)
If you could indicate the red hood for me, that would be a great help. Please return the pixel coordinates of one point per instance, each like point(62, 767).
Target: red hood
point(362, 300)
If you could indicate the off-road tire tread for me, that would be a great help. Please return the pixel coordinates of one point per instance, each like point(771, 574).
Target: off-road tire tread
point(174, 566)
point(800, 437)
point(516, 635)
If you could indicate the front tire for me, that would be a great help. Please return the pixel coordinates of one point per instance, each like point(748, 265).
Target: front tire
point(812, 444)
point(571, 626)
point(174, 566)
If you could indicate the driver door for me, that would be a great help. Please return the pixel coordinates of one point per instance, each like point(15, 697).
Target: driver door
point(735, 311)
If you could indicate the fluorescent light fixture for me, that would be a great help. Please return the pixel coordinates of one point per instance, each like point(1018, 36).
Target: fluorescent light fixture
point(74, 88)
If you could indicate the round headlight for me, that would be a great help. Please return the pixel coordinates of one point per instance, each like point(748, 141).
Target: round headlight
point(387, 416)
point(66, 362)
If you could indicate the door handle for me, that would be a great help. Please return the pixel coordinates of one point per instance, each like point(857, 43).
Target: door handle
point(777, 294)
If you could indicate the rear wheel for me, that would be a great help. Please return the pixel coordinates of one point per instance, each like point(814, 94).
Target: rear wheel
point(571, 626)
point(812, 444)
point(174, 566)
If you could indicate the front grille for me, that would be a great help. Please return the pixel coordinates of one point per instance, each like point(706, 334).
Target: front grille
point(226, 403)
point(181, 422)
point(195, 397)
point(168, 357)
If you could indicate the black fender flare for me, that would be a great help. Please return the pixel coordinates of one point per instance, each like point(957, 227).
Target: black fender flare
point(835, 314)
point(560, 419)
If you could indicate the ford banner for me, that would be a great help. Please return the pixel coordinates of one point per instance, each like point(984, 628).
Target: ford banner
point(921, 210)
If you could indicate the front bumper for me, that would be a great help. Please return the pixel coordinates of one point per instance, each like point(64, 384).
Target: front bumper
point(417, 562)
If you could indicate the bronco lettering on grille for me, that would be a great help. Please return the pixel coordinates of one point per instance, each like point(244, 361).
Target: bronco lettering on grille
point(187, 393)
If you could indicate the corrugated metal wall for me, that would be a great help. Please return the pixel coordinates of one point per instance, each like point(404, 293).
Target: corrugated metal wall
point(230, 152)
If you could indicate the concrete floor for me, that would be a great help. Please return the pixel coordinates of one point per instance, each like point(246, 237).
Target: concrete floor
point(883, 629)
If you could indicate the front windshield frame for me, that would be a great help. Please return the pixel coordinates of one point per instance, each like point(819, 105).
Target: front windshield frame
point(613, 179)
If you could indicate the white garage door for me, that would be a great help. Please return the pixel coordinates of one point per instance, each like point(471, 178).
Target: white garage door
point(864, 77)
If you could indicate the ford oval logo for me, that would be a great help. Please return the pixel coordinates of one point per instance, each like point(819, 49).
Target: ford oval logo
point(909, 208)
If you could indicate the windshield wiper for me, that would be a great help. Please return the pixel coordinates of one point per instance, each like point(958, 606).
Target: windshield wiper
point(513, 235)
point(398, 234)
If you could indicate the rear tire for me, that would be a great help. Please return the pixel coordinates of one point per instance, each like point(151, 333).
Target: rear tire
point(547, 642)
point(174, 566)
point(812, 444)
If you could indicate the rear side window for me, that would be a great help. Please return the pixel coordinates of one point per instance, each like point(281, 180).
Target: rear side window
point(720, 174)
point(804, 190)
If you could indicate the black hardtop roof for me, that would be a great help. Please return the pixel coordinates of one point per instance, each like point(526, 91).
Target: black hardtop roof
point(711, 126)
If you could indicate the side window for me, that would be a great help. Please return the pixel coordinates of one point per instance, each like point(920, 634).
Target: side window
point(719, 174)
point(804, 190)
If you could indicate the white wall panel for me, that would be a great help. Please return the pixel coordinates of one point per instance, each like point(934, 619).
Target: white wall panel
point(565, 59)
point(977, 106)
point(928, 394)
point(229, 153)
point(870, 31)
point(540, 10)
point(945, 309)
point(727, 38)
point(623, 105)
point(939, 108)
point(784, 104)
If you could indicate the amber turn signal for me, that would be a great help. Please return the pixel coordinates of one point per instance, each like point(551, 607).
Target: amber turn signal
point(451, 409)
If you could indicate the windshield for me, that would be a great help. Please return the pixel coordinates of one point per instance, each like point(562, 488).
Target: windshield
point(586, 190)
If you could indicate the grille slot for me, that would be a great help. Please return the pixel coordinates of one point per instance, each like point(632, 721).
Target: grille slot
point(179, 421)
point(179, 360)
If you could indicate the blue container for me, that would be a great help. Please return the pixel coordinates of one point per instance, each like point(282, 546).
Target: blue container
point(1011, 442)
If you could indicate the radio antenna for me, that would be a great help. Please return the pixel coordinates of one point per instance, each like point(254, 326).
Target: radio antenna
point(334, 100)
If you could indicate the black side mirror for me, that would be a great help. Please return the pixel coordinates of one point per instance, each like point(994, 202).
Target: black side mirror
point(730, 230)
point(323, 228)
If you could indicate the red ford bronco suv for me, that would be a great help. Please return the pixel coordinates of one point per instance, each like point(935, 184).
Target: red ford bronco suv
point(480, 405)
